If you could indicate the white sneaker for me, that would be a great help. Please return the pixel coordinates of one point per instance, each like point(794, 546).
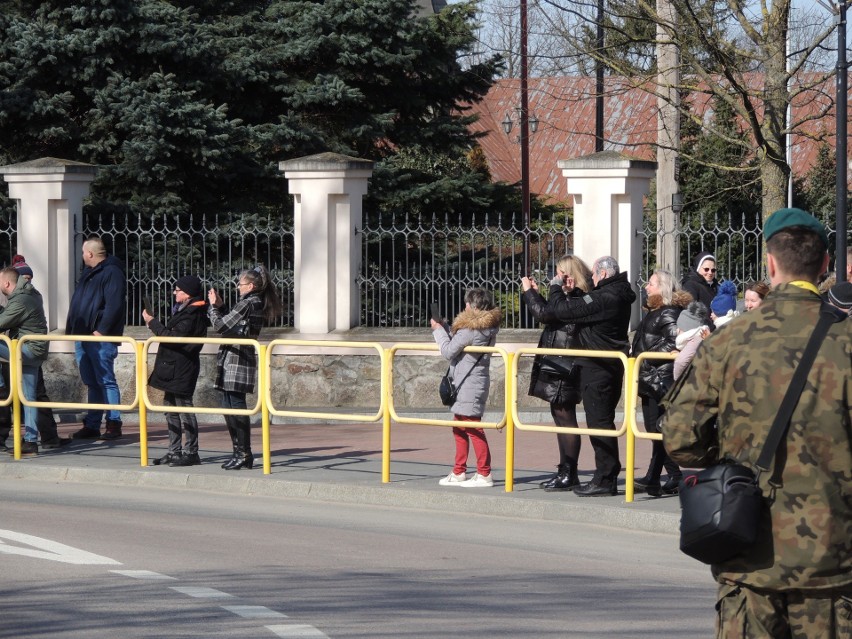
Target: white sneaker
point(453, 480)
point(478, 481)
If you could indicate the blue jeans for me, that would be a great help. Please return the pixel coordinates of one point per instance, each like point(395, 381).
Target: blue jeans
point(29, 366)
point(96, 361)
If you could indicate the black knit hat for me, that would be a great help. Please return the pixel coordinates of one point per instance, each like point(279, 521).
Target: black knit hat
point(190, 285)
point(840, 295)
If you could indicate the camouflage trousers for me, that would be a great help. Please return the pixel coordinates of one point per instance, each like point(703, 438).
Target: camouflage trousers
point(743, 613)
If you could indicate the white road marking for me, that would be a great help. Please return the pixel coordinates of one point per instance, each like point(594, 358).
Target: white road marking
point(41, 548)
point(300, 631)
point(144, 574)
point(255, 612)
point(201, 592)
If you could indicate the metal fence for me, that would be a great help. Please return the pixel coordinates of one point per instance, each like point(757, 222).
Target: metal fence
point(407, 264)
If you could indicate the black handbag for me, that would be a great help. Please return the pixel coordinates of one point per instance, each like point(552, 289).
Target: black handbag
point(447, 390)
point(722, 507)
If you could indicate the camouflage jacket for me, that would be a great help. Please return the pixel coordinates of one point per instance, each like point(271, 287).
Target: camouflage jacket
point(723, 407)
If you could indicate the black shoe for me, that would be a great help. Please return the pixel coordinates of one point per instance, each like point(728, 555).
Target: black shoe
point(56, 442)
point(647, 485)
point(186, 460)
point(548, 483)
point(113, 430)
point(165, 459)
point(597, 488)
point(565, 481)
point(233, 459)
point(86, 433)
point(27, 448)
point(671, 485)
point(237, 463)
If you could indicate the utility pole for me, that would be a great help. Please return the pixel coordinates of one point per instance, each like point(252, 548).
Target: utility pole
point(599, 81)
point(669, 202)
point(842, 160)
point(525, 140)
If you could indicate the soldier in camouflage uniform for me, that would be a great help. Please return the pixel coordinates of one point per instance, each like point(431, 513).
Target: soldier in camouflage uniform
point(796, 581)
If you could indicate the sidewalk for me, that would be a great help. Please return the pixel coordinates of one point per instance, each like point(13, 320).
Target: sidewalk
point(341, 462)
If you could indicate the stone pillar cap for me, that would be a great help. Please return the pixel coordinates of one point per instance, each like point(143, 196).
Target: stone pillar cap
point(48, 165)
point(326, 162)
point(607, 160)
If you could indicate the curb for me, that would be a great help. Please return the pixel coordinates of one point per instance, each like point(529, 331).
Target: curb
point(391, 495)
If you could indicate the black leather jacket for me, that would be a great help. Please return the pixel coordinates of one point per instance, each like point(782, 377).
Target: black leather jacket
point(657, 334)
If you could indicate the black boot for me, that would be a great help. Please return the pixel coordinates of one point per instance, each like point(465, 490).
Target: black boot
point(233, 433)
point(549, 483)
point(566, 480)
point(242, 453)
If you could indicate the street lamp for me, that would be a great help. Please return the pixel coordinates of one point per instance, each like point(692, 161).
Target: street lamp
point(526, 125)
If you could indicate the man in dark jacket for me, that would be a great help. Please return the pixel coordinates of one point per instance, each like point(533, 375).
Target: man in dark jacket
point(177, 366)
point(98, 308)
point(603, 316)
point(701, 282)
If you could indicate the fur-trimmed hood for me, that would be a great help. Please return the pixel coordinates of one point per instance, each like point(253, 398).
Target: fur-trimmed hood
point(477, 320)
point(680, 299)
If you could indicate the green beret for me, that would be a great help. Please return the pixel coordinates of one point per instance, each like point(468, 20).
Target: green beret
point(785, 218)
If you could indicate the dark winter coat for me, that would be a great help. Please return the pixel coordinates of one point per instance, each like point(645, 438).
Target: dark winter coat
point(99, 301)
point(470, 328)
point(603, 316)
point(695, 284)
point(657, 334)
point(177, 366)
point(554, 378)
point(236, 365)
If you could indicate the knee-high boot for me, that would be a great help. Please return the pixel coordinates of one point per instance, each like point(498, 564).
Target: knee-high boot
point(243, 457)
point(232, 431)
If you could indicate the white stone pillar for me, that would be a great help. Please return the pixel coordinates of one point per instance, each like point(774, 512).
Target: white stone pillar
point(50, 194)
point(328, 189)
point(609, 189)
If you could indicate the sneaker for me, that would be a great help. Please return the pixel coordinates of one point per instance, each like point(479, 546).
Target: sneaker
point(56, 442)
point(478, 481)
point(86, 433)
point(112, 432)
point(186, 460)
point(27, 448)
point(452, 480)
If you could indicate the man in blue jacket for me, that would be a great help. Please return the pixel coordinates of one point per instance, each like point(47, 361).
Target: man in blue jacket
point(98, 308)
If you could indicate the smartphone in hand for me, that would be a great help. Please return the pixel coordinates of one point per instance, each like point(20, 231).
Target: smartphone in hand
point(146, 305)
point(435, 313)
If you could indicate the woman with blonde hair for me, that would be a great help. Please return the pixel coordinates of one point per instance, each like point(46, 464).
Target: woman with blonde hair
point(657, 333)
point(556, 378)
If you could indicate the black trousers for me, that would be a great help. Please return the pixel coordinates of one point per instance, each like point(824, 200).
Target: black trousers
point(601, 385)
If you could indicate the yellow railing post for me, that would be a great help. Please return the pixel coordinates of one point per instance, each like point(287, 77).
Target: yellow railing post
point(630, 444)
point(141, 387)
point(14, 374)
point(387, 392)
point(264, 377)
point(511, 400)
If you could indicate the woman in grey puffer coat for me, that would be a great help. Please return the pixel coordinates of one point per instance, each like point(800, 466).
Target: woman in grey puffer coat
point(477, 325)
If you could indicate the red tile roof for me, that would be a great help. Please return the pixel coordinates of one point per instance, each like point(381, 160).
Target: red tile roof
point(565, 108)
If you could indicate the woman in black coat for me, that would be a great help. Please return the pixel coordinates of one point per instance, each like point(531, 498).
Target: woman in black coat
point(657, 334)
point(555, 378)
point(701, 281)
point(177, 366)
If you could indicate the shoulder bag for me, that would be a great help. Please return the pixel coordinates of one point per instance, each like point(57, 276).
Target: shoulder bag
point(447, 390)
point(722, 506)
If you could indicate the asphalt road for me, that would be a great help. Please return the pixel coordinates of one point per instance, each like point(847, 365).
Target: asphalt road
point(141, 562)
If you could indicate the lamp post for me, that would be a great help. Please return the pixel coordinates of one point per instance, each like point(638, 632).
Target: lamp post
point(526, 124)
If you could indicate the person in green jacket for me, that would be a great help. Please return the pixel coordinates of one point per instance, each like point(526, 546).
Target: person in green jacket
point(24, 315)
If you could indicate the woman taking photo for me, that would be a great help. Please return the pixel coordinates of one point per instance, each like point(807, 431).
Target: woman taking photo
point(236, 365)
point(657, 334)
point(555, 378)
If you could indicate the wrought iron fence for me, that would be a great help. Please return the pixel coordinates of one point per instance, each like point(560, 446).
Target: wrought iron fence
point(406, 265)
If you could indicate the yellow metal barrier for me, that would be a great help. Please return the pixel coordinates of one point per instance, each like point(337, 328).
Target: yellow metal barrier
point(392, 414)
point(552, 428)
point(269, 406)
point(634, 433)
point(142, 379)
point(19, 398)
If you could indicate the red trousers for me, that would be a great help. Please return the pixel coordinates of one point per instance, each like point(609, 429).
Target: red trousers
point(463, 436)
